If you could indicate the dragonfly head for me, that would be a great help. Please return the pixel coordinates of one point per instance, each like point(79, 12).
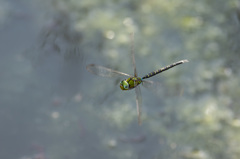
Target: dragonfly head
point(124, 85)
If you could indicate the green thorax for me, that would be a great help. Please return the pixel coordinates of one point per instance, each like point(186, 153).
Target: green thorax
point(130, 83)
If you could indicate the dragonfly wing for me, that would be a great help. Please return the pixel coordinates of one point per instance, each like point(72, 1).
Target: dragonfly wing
point(104, 71)
point(132, 55)
point(139, 103)
point(154, 86)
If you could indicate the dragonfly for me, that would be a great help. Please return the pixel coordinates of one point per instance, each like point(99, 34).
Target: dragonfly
point(132, 81)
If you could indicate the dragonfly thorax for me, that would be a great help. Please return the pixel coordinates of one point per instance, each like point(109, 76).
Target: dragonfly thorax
point(130, 83)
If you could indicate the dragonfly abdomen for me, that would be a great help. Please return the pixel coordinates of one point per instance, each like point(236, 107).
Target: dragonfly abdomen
point(164, 69)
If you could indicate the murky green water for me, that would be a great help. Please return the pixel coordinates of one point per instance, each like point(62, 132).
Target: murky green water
point(51, 107)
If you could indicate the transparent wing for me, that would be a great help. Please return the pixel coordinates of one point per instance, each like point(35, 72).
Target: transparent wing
point(161, 90)
point(150, 84)
point(104, 71)
point(137, 89)
point(139, 103)
point(132, 55)
point(154, 86)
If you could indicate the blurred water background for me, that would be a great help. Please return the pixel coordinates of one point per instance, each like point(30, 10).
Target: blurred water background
point(52, 108)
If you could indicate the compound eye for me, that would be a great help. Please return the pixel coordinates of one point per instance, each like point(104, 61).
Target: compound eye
point(125, 85)
point(121, 83)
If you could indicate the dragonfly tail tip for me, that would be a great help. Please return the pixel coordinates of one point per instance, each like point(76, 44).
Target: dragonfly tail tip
point(184, 61)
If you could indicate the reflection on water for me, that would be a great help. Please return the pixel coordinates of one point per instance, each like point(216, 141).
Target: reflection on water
point(51, 107)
